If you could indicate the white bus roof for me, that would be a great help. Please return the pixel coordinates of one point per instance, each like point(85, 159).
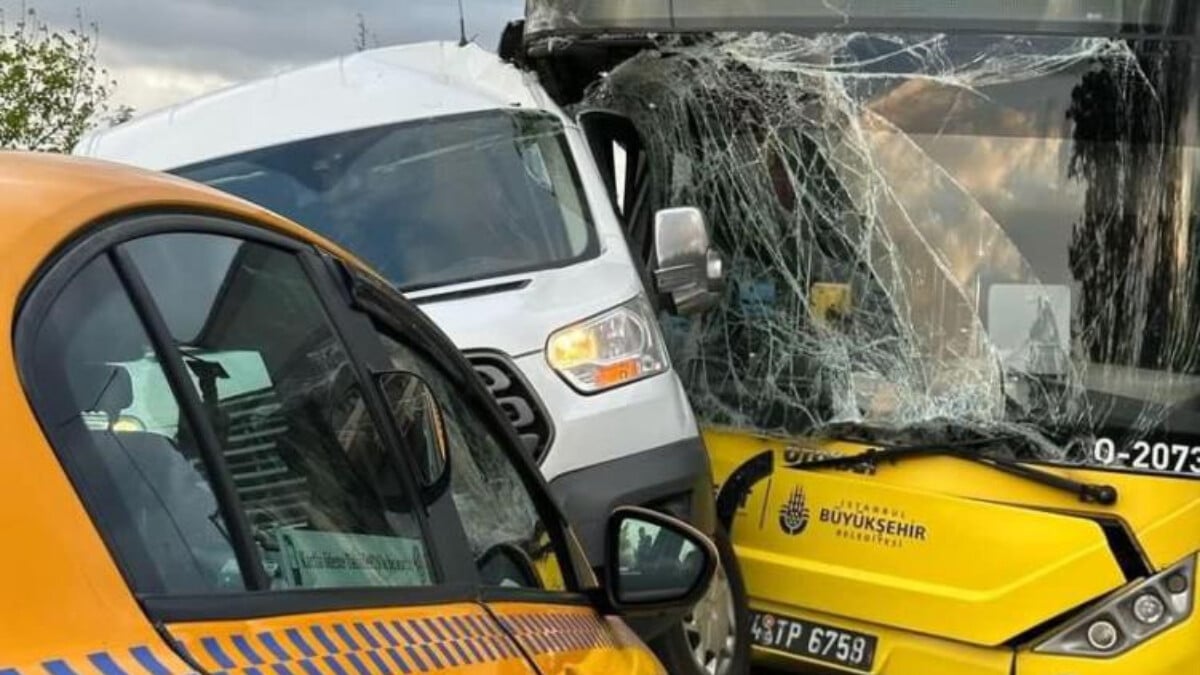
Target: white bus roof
point(365, 89)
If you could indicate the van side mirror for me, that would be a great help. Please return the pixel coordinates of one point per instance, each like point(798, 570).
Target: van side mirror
point(687, 269)
point(654, 562)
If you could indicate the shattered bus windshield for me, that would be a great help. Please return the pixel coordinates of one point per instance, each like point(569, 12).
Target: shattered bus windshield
point(990, 231)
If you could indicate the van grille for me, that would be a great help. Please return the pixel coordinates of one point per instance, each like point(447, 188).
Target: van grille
point(271, 491)
point(516, 399)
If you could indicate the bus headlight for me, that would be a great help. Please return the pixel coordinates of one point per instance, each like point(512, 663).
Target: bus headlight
point(1148, 609)
point(1133, 615)
point(1102, 635)
point(619, 346)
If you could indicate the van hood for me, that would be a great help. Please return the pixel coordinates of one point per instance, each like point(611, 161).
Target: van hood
point(516, 314)
point(943, 546)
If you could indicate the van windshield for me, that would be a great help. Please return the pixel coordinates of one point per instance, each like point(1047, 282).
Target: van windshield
point(431, 202)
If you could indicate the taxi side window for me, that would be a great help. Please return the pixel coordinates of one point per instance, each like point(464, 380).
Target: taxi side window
point(118, 425)
point(506, 532)
point(310, 475)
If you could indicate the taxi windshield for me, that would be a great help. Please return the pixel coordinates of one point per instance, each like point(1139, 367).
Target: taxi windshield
point(950, 228)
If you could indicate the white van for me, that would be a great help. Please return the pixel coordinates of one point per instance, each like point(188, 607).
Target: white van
point(458, 178)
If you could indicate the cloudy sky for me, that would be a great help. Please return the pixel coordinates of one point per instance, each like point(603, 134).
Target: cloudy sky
point(163, 51)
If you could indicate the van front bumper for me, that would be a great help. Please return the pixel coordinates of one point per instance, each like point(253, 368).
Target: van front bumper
point(673, 478)
point(636, 444)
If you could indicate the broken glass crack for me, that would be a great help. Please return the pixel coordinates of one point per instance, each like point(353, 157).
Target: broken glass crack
point(990, 233)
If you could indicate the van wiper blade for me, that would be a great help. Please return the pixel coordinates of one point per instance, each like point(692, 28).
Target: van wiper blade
point(1091, 493)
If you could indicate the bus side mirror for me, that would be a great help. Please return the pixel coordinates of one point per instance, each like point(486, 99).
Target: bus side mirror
point(688, 271)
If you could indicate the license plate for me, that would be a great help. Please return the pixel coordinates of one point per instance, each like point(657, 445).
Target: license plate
point(811, 640)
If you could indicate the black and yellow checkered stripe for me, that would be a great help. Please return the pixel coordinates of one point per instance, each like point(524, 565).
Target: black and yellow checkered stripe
point(417, 645)
point(375, 647)
point(398, 646)
point(137, 660)
point(545, 633)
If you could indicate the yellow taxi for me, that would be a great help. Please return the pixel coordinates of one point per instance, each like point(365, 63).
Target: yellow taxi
point(231, 448)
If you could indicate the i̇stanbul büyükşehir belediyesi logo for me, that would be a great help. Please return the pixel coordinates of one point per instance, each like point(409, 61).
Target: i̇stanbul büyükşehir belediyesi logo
point(854, 520)
point(793, 515)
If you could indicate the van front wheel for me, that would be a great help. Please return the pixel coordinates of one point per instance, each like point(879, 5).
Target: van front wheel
point(713, 639)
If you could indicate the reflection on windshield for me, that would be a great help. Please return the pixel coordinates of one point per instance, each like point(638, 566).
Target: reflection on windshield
point(292, 432)
point(986, 231)
point(429, 202)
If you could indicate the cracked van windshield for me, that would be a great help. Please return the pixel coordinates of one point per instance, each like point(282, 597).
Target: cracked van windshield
point(430, 202)
point(984, 230)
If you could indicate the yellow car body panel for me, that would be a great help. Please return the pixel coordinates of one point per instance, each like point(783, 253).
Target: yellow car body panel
point(955, 571)
point(575, 640)
point(67, 609)
point(460, 637)
point(955, 567)
point(411, 639)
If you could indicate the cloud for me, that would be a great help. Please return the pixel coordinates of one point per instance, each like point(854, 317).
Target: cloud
point(164, 51)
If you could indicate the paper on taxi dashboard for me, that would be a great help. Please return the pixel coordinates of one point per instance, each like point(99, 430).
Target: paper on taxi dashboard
point(337, 560)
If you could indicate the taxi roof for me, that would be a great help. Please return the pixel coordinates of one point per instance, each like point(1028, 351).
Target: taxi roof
point(361, 90)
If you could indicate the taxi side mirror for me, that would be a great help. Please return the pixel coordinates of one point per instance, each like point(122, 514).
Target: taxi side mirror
point(654, 562)
point(418, 421)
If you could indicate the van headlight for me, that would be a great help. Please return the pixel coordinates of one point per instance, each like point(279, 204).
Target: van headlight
point(620, 346)
point(1131, 616)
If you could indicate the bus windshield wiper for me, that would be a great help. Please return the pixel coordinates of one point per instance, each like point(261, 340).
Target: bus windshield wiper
point(737, 486)
point(1092, 493)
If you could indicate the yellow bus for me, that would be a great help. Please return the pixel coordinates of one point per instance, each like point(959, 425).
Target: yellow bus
point(952, 384)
